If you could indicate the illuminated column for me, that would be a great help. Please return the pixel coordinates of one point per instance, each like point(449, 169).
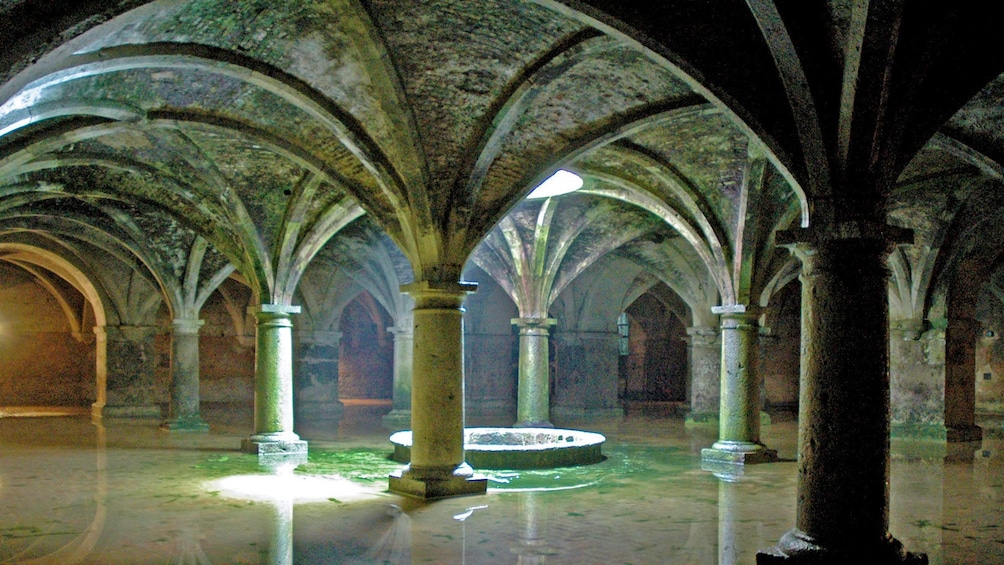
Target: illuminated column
point(399, 417)
point(437, 467)
point(185, 378)
point(843, 445)
point(101, 373)
point(534, 396)
point(704, 354)
point(739, 415)
point(273, 394)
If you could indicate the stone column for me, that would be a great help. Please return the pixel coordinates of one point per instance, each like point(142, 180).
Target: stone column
point(842, 511)
point(437, 467)
point(130, 372)
point(917, 380)
point(100, 373)
point(739, 413)
point(704, 355)
point(960, 379)
point(273, 390)
point(533, 408)
point(399, 417)
point(184, 413)
point(317, 373)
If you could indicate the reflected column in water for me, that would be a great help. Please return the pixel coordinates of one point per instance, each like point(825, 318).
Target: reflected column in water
point(532, 548)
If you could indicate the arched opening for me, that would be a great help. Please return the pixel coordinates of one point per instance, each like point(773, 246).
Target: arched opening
point(654, 366)
point(366, 352)
point(49, 354)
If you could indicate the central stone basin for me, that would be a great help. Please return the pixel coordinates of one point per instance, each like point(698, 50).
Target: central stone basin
point(518, 448)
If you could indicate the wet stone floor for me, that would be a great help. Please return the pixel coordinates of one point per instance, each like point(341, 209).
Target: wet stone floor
point(125, 492)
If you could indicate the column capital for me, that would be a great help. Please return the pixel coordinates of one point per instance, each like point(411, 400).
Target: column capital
point(533, 322)
point(864, 229)
point(402, 332)
point(274, 309)
point(439, 294)
point(186, 326)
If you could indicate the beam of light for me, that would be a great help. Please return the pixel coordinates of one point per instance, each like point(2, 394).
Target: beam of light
point(561, 182)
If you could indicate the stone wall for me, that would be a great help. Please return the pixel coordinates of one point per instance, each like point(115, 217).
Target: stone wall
point(41, 363)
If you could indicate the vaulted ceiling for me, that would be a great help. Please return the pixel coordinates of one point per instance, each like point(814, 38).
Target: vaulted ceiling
point(262, 128)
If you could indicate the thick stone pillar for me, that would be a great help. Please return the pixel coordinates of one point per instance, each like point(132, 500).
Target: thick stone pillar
point(533, 408)
point(273, 389)
point(437, 467)
point(917, 380)
point(739, 413)
point(843, 478)
point(130, 364)
point(960, 379)
point(399, 418)
point(184, 413)
point(317, 373)
point(704, 356)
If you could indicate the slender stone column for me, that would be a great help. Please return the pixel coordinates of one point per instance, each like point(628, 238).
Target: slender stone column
point(184, 414)
point(739, 413)
point(399, 418)
point(273, 392)
point(533, 408)
point(704, 354)
point(843, 479)
point(437, 467)
point(100, 373)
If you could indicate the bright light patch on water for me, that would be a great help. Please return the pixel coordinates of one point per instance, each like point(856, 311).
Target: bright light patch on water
point(289, 486)
point(561, 182)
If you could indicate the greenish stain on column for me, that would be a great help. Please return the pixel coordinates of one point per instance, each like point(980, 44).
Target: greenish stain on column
point(399, 418)
point(534, 394)
point(739, 407)
point(437, 468)
point(273, 398)
point(184, 413)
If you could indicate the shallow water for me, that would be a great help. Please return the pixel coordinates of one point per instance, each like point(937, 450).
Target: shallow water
point(125, 492)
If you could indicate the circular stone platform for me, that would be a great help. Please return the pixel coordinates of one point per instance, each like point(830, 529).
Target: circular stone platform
point(518, 448)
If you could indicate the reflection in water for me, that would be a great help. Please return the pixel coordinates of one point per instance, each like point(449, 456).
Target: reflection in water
point(394, 546)
point(192, 500)
point(532, 548)
point(81, 546)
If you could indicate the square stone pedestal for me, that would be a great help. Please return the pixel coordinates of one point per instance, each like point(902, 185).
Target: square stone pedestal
point(273, 447)
point(739, 457)
point(402, 483)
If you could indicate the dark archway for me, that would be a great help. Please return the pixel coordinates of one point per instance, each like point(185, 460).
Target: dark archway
point(654, 368)
point(366, 351)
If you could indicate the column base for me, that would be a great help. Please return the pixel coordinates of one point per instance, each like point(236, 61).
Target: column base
point(964, 433)
point(533, 424)
point(919, 431)
point(429, 484)
point(738, 453)
point(274, 444)
point(188, 424)
point(397, 420)
point(799, 548)
point(701, 419)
